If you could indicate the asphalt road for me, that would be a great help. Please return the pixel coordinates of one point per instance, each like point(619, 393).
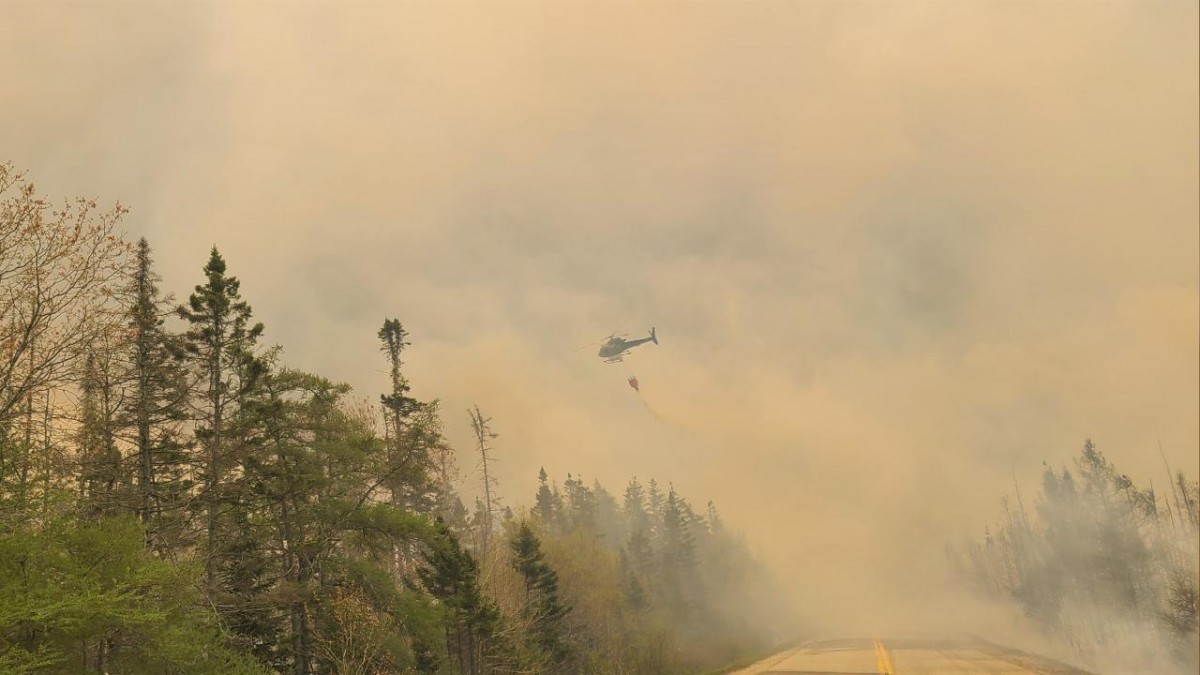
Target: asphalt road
point(900, 656)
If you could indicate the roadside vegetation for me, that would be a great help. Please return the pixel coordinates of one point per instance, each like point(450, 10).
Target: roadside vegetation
point(1104, 566)
point(175, 499)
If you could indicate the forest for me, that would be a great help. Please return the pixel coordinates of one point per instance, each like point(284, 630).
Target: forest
point(1103, 566)
point(175, 499)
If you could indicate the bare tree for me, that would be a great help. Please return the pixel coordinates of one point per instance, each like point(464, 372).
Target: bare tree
point(58, 270)
point(483, 440)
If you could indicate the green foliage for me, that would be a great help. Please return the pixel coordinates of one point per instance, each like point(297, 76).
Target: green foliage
point(543, 610)
point(676, 594)
point(220, 343)
point(419, 465)
point(451, 575)
point(209, 510)
point(154, 410)
point(548, 505)
point(88, 598)
point(394, 339)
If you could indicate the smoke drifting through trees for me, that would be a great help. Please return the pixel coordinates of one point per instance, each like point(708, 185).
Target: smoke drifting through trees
point(898, 262)
point(1107, 568)
point(172, 495)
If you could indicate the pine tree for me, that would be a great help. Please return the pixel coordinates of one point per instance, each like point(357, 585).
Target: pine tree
point(631, 585)
point(654, 507)
point(331, 542)
point(412, 430)
point(398, 406)
point(715, 524)
point(641, 556)
point(608, 517)
point(398, 403)
point(543, 609)
point(155, 408)
point(220, 342)
point(580, 512)
point(451, 575)
point(678, 554)
point(634, 505)
point(546, 506)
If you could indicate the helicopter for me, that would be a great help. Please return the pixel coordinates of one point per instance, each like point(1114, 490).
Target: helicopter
point(615, 347)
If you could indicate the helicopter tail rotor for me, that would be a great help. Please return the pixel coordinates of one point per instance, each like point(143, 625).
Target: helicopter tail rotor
point(653, 336)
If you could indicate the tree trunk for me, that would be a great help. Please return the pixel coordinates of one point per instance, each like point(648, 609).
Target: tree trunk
point(214, 445)
point(145, 466)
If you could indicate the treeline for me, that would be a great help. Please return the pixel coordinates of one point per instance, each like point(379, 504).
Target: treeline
point(1104, 566)
point(175, 499)
point(650, 584)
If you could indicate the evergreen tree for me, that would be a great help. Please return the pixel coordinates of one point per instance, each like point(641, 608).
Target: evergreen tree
point(678, 562)
point(155, 408)
point(426, 460)
point(333, 592)
point(220, 342)
point(580, 512)
point(654, 507)
point(608, 517)
point(543, 609)
point(714, 523)
point(398, 403)
point(547, 505)
point(409, 478)
point(631, 585)
point(634, 505)
point(451, 575)
point(641, 554)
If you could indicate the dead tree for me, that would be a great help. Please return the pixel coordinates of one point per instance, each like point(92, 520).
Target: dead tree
point(483, 439)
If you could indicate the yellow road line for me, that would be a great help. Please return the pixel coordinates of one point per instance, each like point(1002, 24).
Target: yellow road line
point(882, 662)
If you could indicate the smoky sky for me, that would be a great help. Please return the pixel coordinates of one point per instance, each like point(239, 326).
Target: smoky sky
point(898, 254)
